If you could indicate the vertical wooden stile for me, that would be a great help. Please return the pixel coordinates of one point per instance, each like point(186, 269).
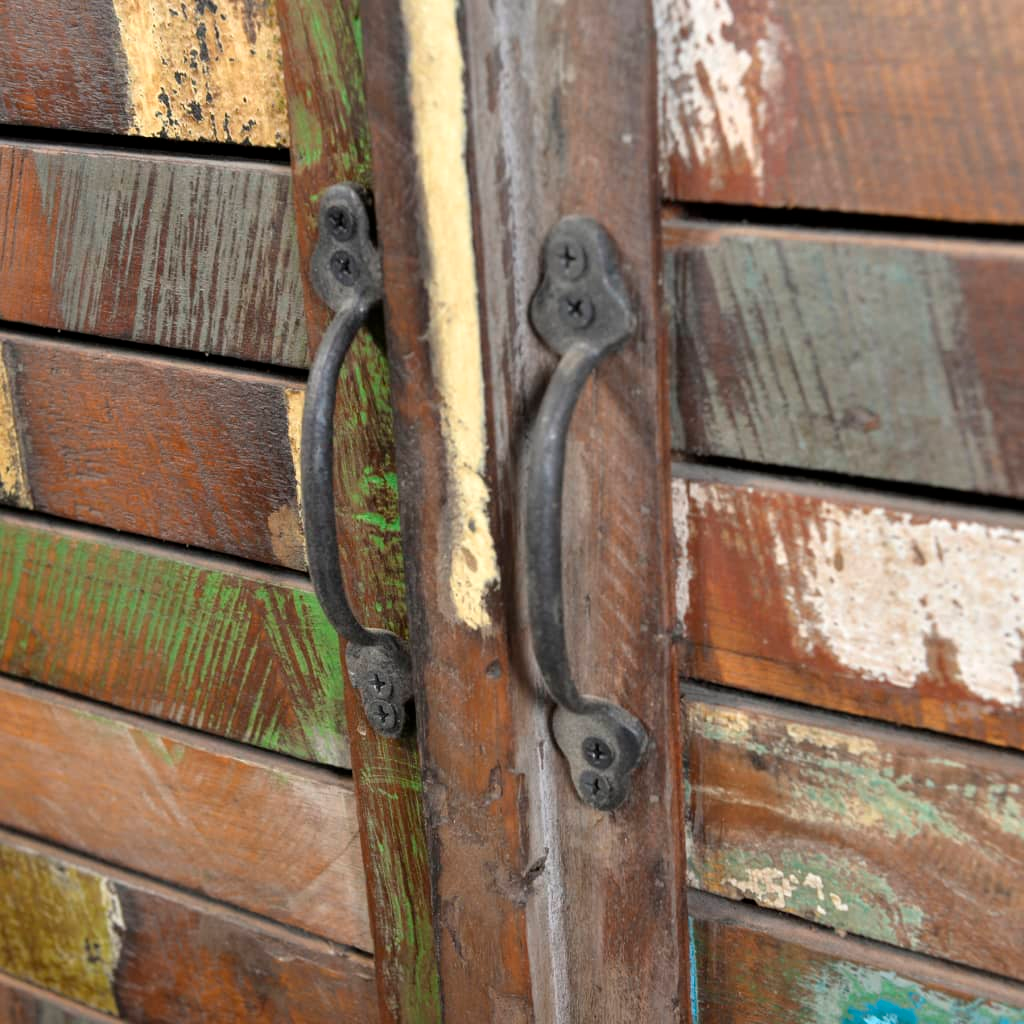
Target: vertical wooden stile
point(327, 117)
point(489, 123)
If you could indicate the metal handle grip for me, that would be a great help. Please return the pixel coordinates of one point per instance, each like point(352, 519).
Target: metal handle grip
point(345, 270)
point(581, 310)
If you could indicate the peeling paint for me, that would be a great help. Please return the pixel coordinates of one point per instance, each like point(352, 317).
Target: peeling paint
point(437, 96)
point(684, 568)
point(887, 592)
point(205, 70)
point(717, 100)
point(14, 487)
point(295, 399)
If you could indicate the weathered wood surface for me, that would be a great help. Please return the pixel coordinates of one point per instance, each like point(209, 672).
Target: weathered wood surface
point(902, 610)
point(544, 909)
point(269, 835)
point(330, 143)
point(189, 253)
point(874, 355)
point(910, 839)
point(888, 107)
point(203, 71)
point(753, 967)
point(175, 450)
point(21, 1003)
point(223, 647)
point(142, 952)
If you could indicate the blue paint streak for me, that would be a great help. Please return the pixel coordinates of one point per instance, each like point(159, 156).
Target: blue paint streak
point(882, 1012)
point(694, 1004)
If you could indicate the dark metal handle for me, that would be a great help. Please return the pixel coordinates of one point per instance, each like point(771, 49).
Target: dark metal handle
point(582, 310)
point(345, 271)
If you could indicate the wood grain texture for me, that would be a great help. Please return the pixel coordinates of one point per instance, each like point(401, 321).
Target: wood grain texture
point(214, 645)
point(544, 909)
point(899, 108)
point(901, 837)
point(881, 356)
point(903, 610)
point(168, 449)
point(272, 836)
point(204, 71)
point(753, 967)
point(26, 1004)
point(140, 951)
point(330, 143)
point(189, 253)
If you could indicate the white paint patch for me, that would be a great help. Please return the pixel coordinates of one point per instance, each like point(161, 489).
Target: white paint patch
point(883, 591)
point(768, 887)
point(717, 101)
point(14, 487)
point(438, 101)
point(681, 528)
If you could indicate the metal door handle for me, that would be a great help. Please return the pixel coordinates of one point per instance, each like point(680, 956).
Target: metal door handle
point(345, 271)
point(581, 310)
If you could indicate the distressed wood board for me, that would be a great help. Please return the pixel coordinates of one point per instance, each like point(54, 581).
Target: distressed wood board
point(913, 840)
point(753, 967)
point(26, 1004)
point(270, 835)
point(905, 610)
point(906, 108)
point(184, 252)
point(200, 72)
point(224, 647)
point(880, 355)
point(330, 143)
point(141, 951)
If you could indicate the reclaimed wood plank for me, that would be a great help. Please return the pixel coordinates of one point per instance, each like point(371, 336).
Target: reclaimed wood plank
point(545, 909)
point(141, 951)
point(183, 252)
point(753, 967)
point(276, 837)
point(205, 71)
point(879, 355)
point(25, 1004)
point(903, 610)
point(219, 646)
point(169, 449)
point(913, 840)
point(887, 107)
point(330, 143)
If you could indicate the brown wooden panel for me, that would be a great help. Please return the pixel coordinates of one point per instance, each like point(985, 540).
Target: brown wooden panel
point(189, 253)
point(220, 646)
point(910, 839)
point(754, 967)
point(874, 355)
point(209, 71)
point(273, 836)
point(25, 1004)
point(884, 106)
point(330, 133)
point(174, 450)
point(140, 951)
point(902, 610)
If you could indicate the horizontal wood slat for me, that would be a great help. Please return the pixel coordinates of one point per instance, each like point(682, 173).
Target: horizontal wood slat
point(219, 646)
point(209, 71)
point(880, 356)
point(21, 1003)
point(273, 836)
point(188, 253)
point(142, 952)
point(755, 967)
point(904, 107)
point(902, 837)
point(896, 609)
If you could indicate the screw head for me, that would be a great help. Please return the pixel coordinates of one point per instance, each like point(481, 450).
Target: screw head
point(383, 715)
point(344, 267)
point(597, 752)
point(342, 223)
point(598, 790)
point(570, 259)
point(382, 689)
point(577, 311)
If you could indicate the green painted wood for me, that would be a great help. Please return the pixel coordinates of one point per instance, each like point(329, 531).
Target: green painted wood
point(755, 967)
point(879, 356)
point(223, 647)
point(187, 253)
